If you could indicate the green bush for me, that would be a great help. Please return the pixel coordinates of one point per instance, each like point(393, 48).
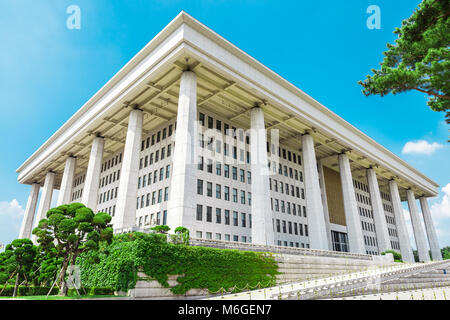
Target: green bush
point(197, 267)
point(29, 291)
point(91, 291)
point(397, 255)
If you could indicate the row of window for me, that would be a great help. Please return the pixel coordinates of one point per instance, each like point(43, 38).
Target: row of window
point(111, 162)
point(388, 208)
point(228, 219)
point(239, 133)
point(156, 197)
point(291, 227)
point(110, 210)
point(286, 207)
point(385, 196)
point(226, 148)
point(112, 177)
point(79, 180)
point(226, 192)
point(392, 232)
point(370, 241)
point(365, 212)
point(286, 171)
point(152, 219)
point(291, 244)
point(226, 170)
point(147, 179)
point(363, 199)
point(284, 188)
point(148, 160)
point(390, 220)
point(77, 194)
point(395, 245)
point(366, 226)
point(361, 186)
point(218, 236)
point(157, 137)
point(108, 195)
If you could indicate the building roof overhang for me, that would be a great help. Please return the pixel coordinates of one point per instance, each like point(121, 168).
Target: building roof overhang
point(186, 37)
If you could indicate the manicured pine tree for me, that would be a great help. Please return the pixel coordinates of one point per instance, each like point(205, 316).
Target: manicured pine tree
point(75, 229)
point(420, 58)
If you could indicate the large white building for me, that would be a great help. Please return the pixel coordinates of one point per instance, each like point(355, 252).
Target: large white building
point(194, 132)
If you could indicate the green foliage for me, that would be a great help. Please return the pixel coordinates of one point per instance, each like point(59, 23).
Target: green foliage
point(397, 255)
point(91, 292)
point(75, 229)
point(161, 228)
point(445, 253)
point(198, 267)
point(184, 232)
point(28, 291)
point(419, 59)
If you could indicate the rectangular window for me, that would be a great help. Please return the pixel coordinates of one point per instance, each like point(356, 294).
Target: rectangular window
point(167, 171)
point(200, 187)
point(234, 173)
point(235, 218)
point(209, 189)
point(226, 171)
point(218, 191)
point(166, 193)
point(242, 197)
point(235, 196)
point(218, 215)
point(218, 169)
point(208, 214)
point(242, 175)
point(227, 217)
point(243, 220)
point(227, 193)
point(199, 212)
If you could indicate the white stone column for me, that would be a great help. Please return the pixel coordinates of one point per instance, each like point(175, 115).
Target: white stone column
point(128, 184)
point(46, 198)
point(326, 214)
point(419, 233)
point(352, 219)
point(431, 232)
point(181, 208)
point(262, 228)
point(316, 220)
point(30, 210)
point(91, 184)
point(379, 217)
point(65, 190)
point(403, 237)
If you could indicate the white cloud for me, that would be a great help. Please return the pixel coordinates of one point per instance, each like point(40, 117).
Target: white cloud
point(441, 209)
point(421, 147)
point(11, 215)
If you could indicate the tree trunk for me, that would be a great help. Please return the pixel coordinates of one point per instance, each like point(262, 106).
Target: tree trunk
point(62, 279)
point(16, 285)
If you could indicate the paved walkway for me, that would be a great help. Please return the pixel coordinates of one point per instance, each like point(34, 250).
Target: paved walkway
point(423, 294)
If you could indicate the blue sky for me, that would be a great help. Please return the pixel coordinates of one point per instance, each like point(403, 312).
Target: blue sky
point(48, 71)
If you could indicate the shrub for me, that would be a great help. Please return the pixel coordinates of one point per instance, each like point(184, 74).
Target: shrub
point(397, 255)
point(197, 267)
point(29, 291)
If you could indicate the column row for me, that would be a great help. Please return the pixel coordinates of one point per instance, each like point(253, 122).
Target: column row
point(181, 207)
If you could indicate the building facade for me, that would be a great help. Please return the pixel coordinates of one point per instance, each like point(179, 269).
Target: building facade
point(194, 132)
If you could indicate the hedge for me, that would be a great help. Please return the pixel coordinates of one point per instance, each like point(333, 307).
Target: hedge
point(28, 291)
point(197, 267)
